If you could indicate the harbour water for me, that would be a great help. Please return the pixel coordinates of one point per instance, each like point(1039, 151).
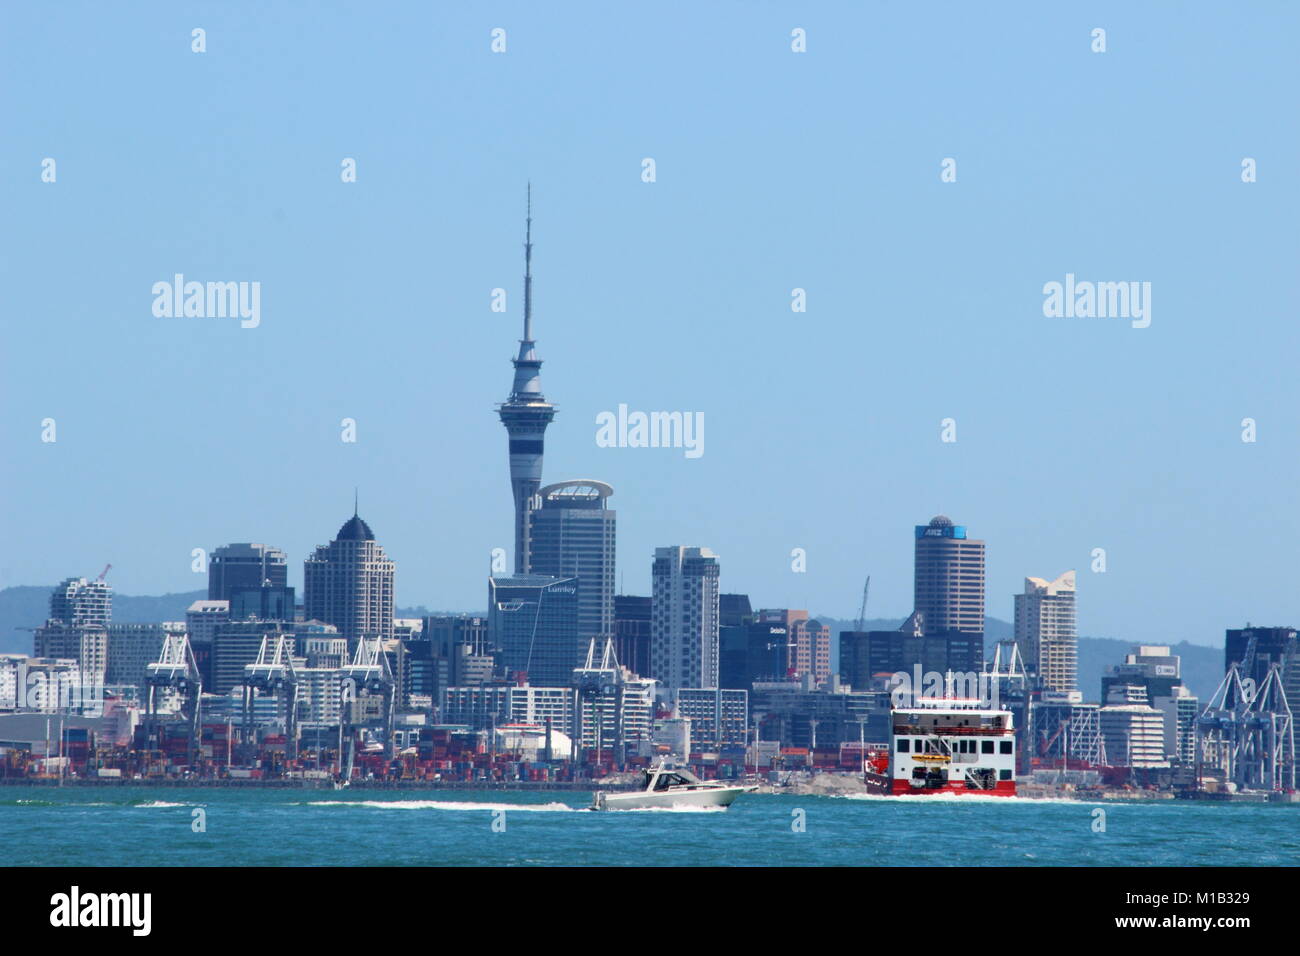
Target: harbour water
point(154, 826)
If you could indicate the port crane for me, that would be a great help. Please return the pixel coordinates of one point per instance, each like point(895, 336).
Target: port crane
point(175, 670)
point(273, 673)
point(371, 674)
point(1248, 733)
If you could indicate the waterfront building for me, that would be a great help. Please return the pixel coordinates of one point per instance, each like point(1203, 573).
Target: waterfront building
point(133, 647)
point(1133, 731)
point(719, 717)
point(1256, 649)
point(1159, 673)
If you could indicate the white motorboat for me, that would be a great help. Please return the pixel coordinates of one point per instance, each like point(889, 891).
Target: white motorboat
point(666, 787)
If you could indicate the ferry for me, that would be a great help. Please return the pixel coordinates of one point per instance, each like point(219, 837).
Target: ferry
point(945, 745)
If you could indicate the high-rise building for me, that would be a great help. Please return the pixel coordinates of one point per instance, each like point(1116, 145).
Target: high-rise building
point(78, 602)
point(632, 632)
point(870, 658)
point(349, 583)
point(236, 645)
point(133, 647)
point(1045, 632)
point(572, 535)
point(1256, 649)
point(245, 566)
point(808, 648)
point(525, 414)
point(685, 615)
point(77, 629)
point(949, 577)
point(533, 622)
point(949, 585)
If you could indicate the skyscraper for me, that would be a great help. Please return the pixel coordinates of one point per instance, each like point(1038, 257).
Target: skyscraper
point(533, 621)
point(949, 586)
point(245, 566)
point(526, 414)
point(949, 577)
point(77, 629)
point(572, 535)
point(1045, 632)
point(685, 617)
point(349, 583)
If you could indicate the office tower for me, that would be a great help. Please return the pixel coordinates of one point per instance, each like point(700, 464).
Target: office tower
point(133, 647)
point(349, 583)
point(460, 642)
point(949, 586)
point(1256, 649)
point(235, 645)
point(265, 603)
point(572, 535)
point(632, 632)
point(533, 622)
point(526, 414)
point(734, 610)
point(870, 658)
point(77, 629)
point(1159, 674)
point(1045, 632)
point(685, 612)
point(245, 566)
point(949, 577)
point(201, 621)
point(808, 647)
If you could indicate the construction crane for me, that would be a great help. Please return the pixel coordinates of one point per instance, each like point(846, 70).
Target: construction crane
point(862, 614)
point(102, 574)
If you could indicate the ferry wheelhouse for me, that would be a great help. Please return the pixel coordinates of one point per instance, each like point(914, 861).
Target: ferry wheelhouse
point(946, 746)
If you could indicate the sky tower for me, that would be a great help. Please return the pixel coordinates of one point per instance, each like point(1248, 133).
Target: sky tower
point(526, 413)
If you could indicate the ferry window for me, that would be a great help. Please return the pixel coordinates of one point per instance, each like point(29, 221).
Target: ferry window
point(1004, 774)
point(987, 746)
point(904, 745)
point(1006, 747)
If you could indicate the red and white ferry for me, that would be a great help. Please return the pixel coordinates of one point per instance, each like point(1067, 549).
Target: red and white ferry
point(946, 745)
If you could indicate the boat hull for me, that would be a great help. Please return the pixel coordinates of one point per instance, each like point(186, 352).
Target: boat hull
point(881, 785)
point(680, 799)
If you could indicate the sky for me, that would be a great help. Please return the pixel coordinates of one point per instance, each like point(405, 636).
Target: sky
point(774, 170)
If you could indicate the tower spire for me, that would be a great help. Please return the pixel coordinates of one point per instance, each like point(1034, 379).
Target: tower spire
point(528, 268)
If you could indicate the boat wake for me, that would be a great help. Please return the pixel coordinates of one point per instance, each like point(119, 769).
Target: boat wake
point(462, 806)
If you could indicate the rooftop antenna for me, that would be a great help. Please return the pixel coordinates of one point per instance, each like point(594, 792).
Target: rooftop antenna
point(528, 268)
point(355, 499)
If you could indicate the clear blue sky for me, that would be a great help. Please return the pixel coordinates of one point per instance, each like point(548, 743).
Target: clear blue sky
point(775, 170)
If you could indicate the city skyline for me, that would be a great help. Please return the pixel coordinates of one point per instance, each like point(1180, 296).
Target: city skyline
point(1133, 446)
